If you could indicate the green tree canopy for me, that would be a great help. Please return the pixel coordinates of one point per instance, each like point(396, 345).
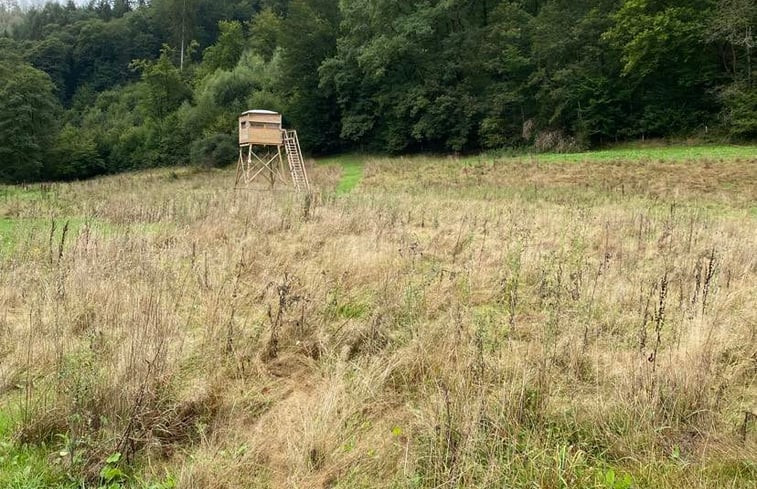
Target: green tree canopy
point(29, 121)
point(225, 53)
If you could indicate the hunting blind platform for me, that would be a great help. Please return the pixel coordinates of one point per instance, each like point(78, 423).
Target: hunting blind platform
point(262, 145)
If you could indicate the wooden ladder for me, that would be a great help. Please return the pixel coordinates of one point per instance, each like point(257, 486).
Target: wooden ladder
point(296, 164)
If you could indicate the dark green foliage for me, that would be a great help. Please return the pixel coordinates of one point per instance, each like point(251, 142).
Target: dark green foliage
point(103, 51)
point(29, 121)
point(740, 110)
point(74, 156)
point(264, 31)
point(221, 96)
point(307, 38)
point(163, 88)
point(669, 67)
point(225, 53)
point(577, 73)
point(732, 28)
point(53, 55)
point(119, 128)
point(373, 75)
point(214, 150)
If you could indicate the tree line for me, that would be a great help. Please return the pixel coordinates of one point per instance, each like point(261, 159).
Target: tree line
point(115, 85)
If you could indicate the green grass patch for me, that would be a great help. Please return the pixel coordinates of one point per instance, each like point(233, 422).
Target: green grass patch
point(347, 309)
point(26, 466)
point(352, 171)
point(6, 424)
point(344, 306)
point(351, 310)
point(7, 228)
point(37, 192)
point(16, 230)
point(665, 153)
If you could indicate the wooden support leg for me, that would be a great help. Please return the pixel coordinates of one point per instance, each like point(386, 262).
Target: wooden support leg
point(247, 177)
point(280, 165)
point(271, 173)
point(267, 164)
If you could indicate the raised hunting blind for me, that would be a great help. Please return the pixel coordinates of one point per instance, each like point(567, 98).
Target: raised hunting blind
point(260, 127)
point(262, 144)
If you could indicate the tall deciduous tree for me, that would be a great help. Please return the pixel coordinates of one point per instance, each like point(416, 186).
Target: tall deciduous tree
point(734, 24)
point(225, 53)
point(163, 91)
point(669, 66)
point(576, 74)
point(181, 18)
point(53, 55)
point(264, 32)
point(308, 37)
point(409, 74)
point(29, 120)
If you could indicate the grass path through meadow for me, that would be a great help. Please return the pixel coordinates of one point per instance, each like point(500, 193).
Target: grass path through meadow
point(666, 153)
point(352, 171)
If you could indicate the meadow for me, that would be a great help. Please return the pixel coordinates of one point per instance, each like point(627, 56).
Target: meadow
point(550, 321)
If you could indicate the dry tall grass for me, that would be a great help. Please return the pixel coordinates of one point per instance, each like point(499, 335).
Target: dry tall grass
point(447, 324)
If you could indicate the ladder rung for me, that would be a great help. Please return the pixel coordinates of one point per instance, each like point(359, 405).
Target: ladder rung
point(296, 164)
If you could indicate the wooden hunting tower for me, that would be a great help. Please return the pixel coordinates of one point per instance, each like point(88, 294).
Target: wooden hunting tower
point(260, 127)
point(262, 142)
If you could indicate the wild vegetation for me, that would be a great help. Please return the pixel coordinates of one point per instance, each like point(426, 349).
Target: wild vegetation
point(118, 85)
point(536, 315)
point(479, 322)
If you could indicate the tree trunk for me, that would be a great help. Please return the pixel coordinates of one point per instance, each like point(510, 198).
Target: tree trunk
point(733, 55)
point(183, 20)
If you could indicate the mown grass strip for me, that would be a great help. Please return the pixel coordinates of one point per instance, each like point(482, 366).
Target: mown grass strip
point(352, 165)
point(13, 230)
point(29, 192)
point(638, 153)
point(352, 171)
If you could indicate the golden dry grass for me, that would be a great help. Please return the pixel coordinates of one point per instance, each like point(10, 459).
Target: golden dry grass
point(446, 324)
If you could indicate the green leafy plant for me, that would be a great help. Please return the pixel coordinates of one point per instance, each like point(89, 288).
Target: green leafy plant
point(615, 481)
point(168, 483)
point(111, 475)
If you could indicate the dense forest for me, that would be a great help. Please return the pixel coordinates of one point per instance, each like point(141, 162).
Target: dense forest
point(122, 84)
